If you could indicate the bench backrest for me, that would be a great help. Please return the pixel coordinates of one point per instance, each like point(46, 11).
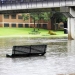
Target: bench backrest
point(29, 49)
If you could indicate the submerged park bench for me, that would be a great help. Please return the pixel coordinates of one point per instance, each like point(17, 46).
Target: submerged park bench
point(28, 50)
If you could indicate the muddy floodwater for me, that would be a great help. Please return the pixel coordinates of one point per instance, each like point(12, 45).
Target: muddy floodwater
point(58, 60)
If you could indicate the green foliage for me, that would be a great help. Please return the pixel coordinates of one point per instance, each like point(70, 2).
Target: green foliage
point(34, 16)
point(59, 17)
point(38, 16)
point(46, 16)
point(25, 16)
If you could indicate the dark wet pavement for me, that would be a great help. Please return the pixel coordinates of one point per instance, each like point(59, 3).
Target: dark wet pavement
point(58, 60)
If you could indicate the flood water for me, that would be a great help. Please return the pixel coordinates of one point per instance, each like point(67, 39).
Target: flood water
point(58, 60)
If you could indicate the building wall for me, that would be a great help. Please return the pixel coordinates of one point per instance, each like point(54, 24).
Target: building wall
point(8, 21)
point(43, 24)
point(1, 19)
point(16, 21)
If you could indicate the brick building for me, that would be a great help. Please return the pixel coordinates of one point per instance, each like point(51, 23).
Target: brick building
point(16, 20)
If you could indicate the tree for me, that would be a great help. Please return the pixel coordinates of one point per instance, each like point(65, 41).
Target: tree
point(46, 16)
point(58, 17)
point(39, 18)
point(25, 16)
point(34, 16)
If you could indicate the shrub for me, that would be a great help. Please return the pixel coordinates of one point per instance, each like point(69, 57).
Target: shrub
point(51, 32)
point(34, 32)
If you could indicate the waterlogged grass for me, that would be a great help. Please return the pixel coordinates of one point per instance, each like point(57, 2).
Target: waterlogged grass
point(25, 32)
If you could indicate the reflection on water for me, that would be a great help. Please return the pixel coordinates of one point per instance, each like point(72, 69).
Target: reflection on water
point(58, 60)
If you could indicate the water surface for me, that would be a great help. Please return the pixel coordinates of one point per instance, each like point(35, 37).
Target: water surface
point(59, 58)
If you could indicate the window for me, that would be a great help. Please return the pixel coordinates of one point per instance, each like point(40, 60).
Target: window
point(13, 16)
point(20, 25)
point(13, 25)
point(45, 26)
point(6, 24)
point(26, 25)
point(20, 17)
point(39, 25)
point(6, 16)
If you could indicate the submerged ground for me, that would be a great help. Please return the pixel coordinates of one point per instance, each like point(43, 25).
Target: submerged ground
point(58, 60)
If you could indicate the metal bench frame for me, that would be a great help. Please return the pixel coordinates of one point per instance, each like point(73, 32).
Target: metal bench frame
point(28, 50)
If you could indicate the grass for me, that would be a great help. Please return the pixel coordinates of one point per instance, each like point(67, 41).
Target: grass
point(25, 32)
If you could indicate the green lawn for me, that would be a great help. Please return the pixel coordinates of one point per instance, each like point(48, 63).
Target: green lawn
point(26, 31)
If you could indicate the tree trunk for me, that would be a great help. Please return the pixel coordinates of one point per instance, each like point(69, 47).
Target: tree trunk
point(38, 24)
point(55, 23)
point(34, 24)
point(38, 21)
point(52, 24)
